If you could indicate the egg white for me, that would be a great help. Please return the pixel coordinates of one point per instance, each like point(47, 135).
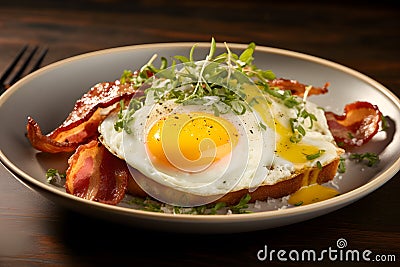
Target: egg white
point(253, 161)
point(220, 178)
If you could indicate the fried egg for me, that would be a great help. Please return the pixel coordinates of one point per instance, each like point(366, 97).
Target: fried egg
point(189, 149)
point(189, 155)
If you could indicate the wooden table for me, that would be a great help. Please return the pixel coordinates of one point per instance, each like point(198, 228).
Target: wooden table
point(37, 232)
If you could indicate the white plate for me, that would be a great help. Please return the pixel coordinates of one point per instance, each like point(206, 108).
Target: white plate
point(49, 94)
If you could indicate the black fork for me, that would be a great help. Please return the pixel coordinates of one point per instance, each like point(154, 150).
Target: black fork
point(17, 68)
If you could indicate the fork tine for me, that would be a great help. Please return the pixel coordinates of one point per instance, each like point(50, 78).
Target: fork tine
point(21, 70)
point(39, 60)
point(12, 65)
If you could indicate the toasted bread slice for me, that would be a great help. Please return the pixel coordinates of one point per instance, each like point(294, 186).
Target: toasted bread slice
point(288, 186)
point(283, 188)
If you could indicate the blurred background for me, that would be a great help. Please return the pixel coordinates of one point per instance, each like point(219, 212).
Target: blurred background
point(328, 29)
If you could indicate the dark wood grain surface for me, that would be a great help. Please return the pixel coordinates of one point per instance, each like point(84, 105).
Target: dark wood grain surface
point(37, 232)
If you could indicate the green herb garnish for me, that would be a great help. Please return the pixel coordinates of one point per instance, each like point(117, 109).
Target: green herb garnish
point(369, 158)
point(342, 165)
point(319, 165)
point(147, 204)
point(242, 205)
point(315, 155)
point(298, 203)
point(384, 123)
point(217, 207)
point(218, 81)
point(54, 177)
point(124, 119)
point(119, 124)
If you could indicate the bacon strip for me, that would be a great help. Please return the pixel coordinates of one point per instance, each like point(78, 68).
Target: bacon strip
point(95, 174)
point(358, 124)
point(81, 124)
point(296, 87)
point(82, 133)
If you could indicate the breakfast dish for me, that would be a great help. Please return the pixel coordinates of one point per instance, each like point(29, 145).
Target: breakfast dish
point(49, 95)
point(207, 132)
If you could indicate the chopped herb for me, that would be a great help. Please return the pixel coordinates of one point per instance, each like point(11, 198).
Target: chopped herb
point(342, 165)
point(306, 115)
point(147, 204)
point(340, 144)
point(294, 102)
point(369, 158)
point(199, 210)
point(177, 210)
point(319, 165)
point(152, 206)
point(384, 123)
point(316, 155)
point(217, 207)
point(291, 101)
point(55, 177)
point(242, 205)
point(297, 124)
point(285, 95)
point(296, 137)
point(299, 203)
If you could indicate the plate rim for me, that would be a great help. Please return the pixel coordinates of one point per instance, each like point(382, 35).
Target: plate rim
point(339, 201)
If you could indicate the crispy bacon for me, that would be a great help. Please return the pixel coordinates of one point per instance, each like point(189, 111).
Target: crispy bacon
point(82, 133)
point(96, 174)
point(358, 124)
point(81, 124)
point(296, 87)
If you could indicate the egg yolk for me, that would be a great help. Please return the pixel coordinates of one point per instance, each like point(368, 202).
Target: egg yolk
point(312, 194)
point(293, 152)
point(190, 142)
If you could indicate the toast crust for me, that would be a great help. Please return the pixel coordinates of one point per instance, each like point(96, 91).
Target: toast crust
point(286, 187)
